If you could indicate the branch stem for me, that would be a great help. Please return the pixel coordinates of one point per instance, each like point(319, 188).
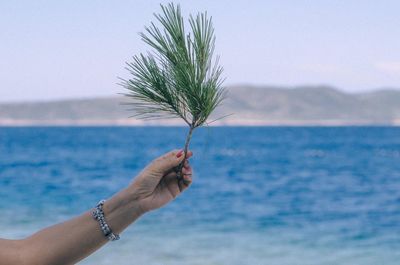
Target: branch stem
point(188, 138)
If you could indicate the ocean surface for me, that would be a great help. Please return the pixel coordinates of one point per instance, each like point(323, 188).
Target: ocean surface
point(261, 195)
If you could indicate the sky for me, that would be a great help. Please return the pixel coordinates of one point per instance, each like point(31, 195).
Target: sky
point(78, 49)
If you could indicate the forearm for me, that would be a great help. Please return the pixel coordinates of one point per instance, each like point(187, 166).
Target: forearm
point(73, 240)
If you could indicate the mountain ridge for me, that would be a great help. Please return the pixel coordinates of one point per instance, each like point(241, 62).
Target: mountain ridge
point(250, 105)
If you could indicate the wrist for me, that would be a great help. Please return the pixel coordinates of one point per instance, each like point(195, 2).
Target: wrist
point(134, 200)
point(125, 204)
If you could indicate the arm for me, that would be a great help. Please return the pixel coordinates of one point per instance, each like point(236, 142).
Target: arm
point(75, 239)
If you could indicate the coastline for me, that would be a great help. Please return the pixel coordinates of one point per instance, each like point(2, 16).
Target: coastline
point(227, 122)
point(245, 106)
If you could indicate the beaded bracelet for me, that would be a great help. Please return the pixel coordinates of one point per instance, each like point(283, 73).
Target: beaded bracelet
point(98, 214)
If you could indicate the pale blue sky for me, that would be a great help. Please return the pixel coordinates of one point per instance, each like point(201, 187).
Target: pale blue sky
point(64, 49)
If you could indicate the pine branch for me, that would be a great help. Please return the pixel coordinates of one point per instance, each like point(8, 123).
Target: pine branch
point(179, 77)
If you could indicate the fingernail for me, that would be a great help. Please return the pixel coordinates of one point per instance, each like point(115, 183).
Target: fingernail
point(179, 154)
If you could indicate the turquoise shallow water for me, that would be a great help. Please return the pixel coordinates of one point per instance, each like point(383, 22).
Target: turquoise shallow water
point(262, 195)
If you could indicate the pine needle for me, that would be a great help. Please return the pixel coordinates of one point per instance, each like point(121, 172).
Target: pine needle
point(179, 77)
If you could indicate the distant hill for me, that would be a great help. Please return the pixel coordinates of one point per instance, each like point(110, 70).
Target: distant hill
point(248, 105)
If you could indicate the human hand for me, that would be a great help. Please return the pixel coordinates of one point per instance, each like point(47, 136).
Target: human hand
point(158, 184)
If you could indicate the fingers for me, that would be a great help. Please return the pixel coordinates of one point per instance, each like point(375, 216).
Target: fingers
point(162, 174)
point(172, 184)
point(176, 186)
point(189, 154)
point(187, 175)
point(165, 163)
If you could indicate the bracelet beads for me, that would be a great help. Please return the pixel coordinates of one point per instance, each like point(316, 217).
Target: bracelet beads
point(98, 215)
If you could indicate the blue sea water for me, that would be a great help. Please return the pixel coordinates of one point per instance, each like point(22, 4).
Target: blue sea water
point(261, 195)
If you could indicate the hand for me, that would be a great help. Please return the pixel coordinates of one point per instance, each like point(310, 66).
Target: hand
point(158, 184)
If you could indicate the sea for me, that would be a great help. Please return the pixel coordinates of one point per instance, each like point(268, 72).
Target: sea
point(261, 195)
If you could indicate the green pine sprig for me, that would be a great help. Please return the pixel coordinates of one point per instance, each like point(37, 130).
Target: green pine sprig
point(179, 77)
